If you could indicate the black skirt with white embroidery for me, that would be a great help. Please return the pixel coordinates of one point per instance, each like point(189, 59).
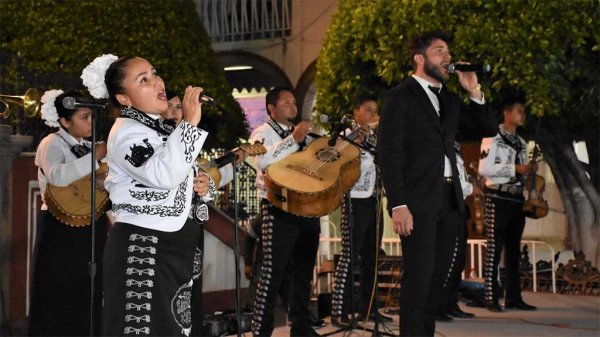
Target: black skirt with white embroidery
point(148, 280)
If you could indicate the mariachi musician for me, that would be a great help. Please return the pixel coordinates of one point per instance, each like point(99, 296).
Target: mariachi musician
point(503, 164)
point(366, 231)
point(287, 239)
point(60, 299)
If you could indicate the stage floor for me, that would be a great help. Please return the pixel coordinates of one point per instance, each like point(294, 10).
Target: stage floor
point(557, 316)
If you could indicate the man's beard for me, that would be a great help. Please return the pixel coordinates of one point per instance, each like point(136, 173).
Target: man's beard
point(432, 71)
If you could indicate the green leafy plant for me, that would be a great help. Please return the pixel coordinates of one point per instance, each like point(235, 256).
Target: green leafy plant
point(547, 50)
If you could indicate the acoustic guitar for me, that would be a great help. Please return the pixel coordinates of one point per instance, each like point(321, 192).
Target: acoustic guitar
point(212, 169)
point(71, 204)
point(313, 182)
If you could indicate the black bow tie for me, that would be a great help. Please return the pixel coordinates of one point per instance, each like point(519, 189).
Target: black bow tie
point(288, 131)
point(80, 150)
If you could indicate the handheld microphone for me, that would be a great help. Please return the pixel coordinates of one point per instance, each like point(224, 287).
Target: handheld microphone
point(207, 99)
point(337, 131)
point(71, 103)
point(478, 68)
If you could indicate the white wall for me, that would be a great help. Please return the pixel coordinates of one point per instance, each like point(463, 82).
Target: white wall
point(219, 266)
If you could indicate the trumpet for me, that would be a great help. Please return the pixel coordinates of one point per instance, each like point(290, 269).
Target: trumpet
point(30, 103)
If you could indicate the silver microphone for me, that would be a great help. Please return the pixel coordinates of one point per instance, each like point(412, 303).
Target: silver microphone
point(207, 99)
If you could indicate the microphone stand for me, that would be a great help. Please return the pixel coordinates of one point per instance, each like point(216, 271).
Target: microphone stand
point(375, 330)
point(92, 263)
point(230, 157)
point(236, 251)
point(379, 218)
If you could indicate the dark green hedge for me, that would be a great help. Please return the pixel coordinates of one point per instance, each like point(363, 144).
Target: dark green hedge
point(46, 44)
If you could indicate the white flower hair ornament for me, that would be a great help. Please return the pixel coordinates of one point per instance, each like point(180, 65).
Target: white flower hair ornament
point(93, 75)
point(49, 113)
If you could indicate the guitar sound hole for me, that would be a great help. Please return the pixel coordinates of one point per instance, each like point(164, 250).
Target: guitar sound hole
point(328, 154)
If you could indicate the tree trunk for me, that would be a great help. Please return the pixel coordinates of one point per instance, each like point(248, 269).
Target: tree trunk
point(565, 192)
point(580, 197)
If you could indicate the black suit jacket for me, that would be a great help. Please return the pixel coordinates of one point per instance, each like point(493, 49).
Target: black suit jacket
point(412, 142)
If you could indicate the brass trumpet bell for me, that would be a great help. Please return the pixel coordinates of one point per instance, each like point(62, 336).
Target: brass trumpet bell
point(30, 103)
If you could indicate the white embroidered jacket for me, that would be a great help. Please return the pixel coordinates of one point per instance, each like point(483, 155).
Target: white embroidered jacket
point(58, 165)
point(467, 187)
point(277, 149)
point(365, 185)
point(497, 161)
point(151, 175)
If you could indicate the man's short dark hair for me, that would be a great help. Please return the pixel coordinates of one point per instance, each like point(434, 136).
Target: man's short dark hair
point(509, 103)
point(421, 42)
point(273, 96)
point(362, 98)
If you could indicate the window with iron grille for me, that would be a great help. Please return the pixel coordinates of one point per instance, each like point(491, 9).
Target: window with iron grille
point(243, 20)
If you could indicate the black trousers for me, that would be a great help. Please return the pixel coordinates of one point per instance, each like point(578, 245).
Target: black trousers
point(427, 255)
point(288, 241)
point(148, 280)
point(60, 293)
point(505, 222)
point(451, 293)
point(366, 239)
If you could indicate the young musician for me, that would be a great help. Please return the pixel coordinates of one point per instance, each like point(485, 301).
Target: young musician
point(503, 164)
point(419, 122)
point(150, 249)
point(287, 239)
point(60, 299)
point(366, 232)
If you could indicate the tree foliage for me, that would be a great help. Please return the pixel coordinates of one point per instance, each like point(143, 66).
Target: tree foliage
point(546, 49)
point(46, 44)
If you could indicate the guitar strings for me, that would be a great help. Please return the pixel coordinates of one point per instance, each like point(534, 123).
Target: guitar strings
point(322, 161)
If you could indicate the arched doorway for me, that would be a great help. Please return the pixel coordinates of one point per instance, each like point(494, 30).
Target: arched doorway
point(251, 76)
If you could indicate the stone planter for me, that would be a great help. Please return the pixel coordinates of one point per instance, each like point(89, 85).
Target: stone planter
point(10, 147)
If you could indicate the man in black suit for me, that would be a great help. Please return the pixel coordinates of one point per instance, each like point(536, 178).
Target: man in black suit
point(418, 167)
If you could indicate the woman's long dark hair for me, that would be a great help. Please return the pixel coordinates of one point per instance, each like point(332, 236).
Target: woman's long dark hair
point(115, 74)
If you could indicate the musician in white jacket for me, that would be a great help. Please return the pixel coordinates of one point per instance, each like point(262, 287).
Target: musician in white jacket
point(287, 239)
point(60, 295)
point(367, 222)
point(150, 250)
point(503, 164)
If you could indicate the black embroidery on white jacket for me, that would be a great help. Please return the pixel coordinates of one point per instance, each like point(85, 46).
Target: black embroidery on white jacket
point(288, 143)
point(190, 135)
point(175, 210)
point(140, 153)
point(149, 195)
point(158, 124)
